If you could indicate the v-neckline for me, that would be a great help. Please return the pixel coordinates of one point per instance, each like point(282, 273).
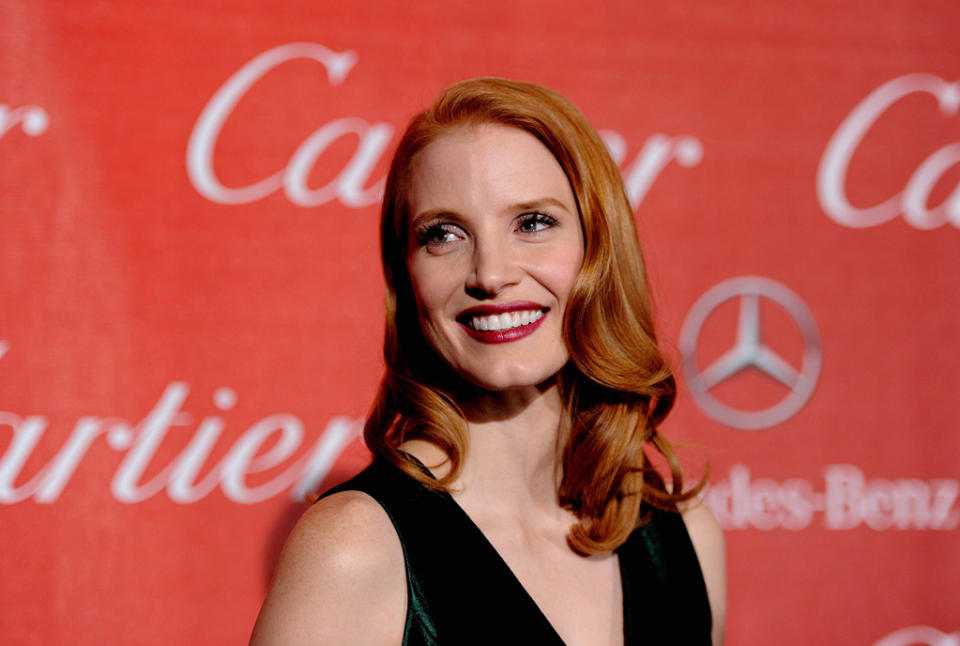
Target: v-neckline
point(511, 575)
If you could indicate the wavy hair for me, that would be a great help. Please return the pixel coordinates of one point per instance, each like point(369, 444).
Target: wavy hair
point(617, 386)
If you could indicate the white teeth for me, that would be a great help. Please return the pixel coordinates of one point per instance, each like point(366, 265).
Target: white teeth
point(505, 321)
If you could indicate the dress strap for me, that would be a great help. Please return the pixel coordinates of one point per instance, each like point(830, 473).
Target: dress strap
point(664, 594)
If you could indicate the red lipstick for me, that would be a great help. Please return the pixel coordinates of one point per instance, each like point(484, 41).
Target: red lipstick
point(465, 317)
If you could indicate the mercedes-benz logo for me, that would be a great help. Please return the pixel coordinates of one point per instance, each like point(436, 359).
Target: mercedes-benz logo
point(750, 350)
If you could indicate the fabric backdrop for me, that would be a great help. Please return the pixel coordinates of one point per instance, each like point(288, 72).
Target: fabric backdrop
point(191, 302)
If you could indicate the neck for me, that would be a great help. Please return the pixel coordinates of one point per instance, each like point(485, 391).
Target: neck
point(512, 462)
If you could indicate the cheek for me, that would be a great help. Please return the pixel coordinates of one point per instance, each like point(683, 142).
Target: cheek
point(560, 273)
point(432, 289)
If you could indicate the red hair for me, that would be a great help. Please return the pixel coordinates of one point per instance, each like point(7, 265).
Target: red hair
point(617, 386)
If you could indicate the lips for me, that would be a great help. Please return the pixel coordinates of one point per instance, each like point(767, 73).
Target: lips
point(504, 322)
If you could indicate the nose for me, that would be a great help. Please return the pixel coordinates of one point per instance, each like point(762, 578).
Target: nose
point(494, 268)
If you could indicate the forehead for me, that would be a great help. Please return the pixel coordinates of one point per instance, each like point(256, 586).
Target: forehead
point(485, 166)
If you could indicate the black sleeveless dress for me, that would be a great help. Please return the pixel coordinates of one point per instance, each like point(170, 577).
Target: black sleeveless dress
point(460, 591)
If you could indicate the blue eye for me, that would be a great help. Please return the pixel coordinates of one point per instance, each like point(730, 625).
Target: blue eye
point(437, 234)
point(535, 222)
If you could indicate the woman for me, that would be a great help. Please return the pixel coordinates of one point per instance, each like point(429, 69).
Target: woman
point(522, 393)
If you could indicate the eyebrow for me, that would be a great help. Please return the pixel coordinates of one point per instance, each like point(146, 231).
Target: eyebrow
point(543, 201)
point(528, 205)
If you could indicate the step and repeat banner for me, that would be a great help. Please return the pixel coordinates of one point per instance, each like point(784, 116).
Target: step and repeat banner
point(191, 298)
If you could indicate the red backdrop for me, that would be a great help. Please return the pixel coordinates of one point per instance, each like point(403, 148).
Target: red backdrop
point(190, 292)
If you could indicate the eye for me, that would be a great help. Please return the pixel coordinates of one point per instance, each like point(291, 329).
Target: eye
point(437, 234)
point(534, 222)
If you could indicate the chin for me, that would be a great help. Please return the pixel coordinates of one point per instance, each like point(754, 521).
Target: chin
point(510, 379)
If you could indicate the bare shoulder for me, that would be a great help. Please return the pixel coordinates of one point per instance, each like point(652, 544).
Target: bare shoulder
point(341, 578)
point(707, 538)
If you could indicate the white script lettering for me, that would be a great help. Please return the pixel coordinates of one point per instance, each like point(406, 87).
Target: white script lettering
point(33, 119)
point(179, 477)
point(348, 186)
point(920, 635)
point(913, 200)
point(352, 186)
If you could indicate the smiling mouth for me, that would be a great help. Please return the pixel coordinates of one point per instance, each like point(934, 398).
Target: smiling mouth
point(505, 321)
point(502, 323)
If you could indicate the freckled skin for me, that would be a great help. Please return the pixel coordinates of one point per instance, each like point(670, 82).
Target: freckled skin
point(493, 220)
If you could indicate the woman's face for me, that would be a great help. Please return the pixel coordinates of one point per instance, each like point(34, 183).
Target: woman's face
point(495, 247)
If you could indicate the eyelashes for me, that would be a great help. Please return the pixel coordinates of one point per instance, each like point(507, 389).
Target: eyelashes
point(437, 233)
point(534, 222)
